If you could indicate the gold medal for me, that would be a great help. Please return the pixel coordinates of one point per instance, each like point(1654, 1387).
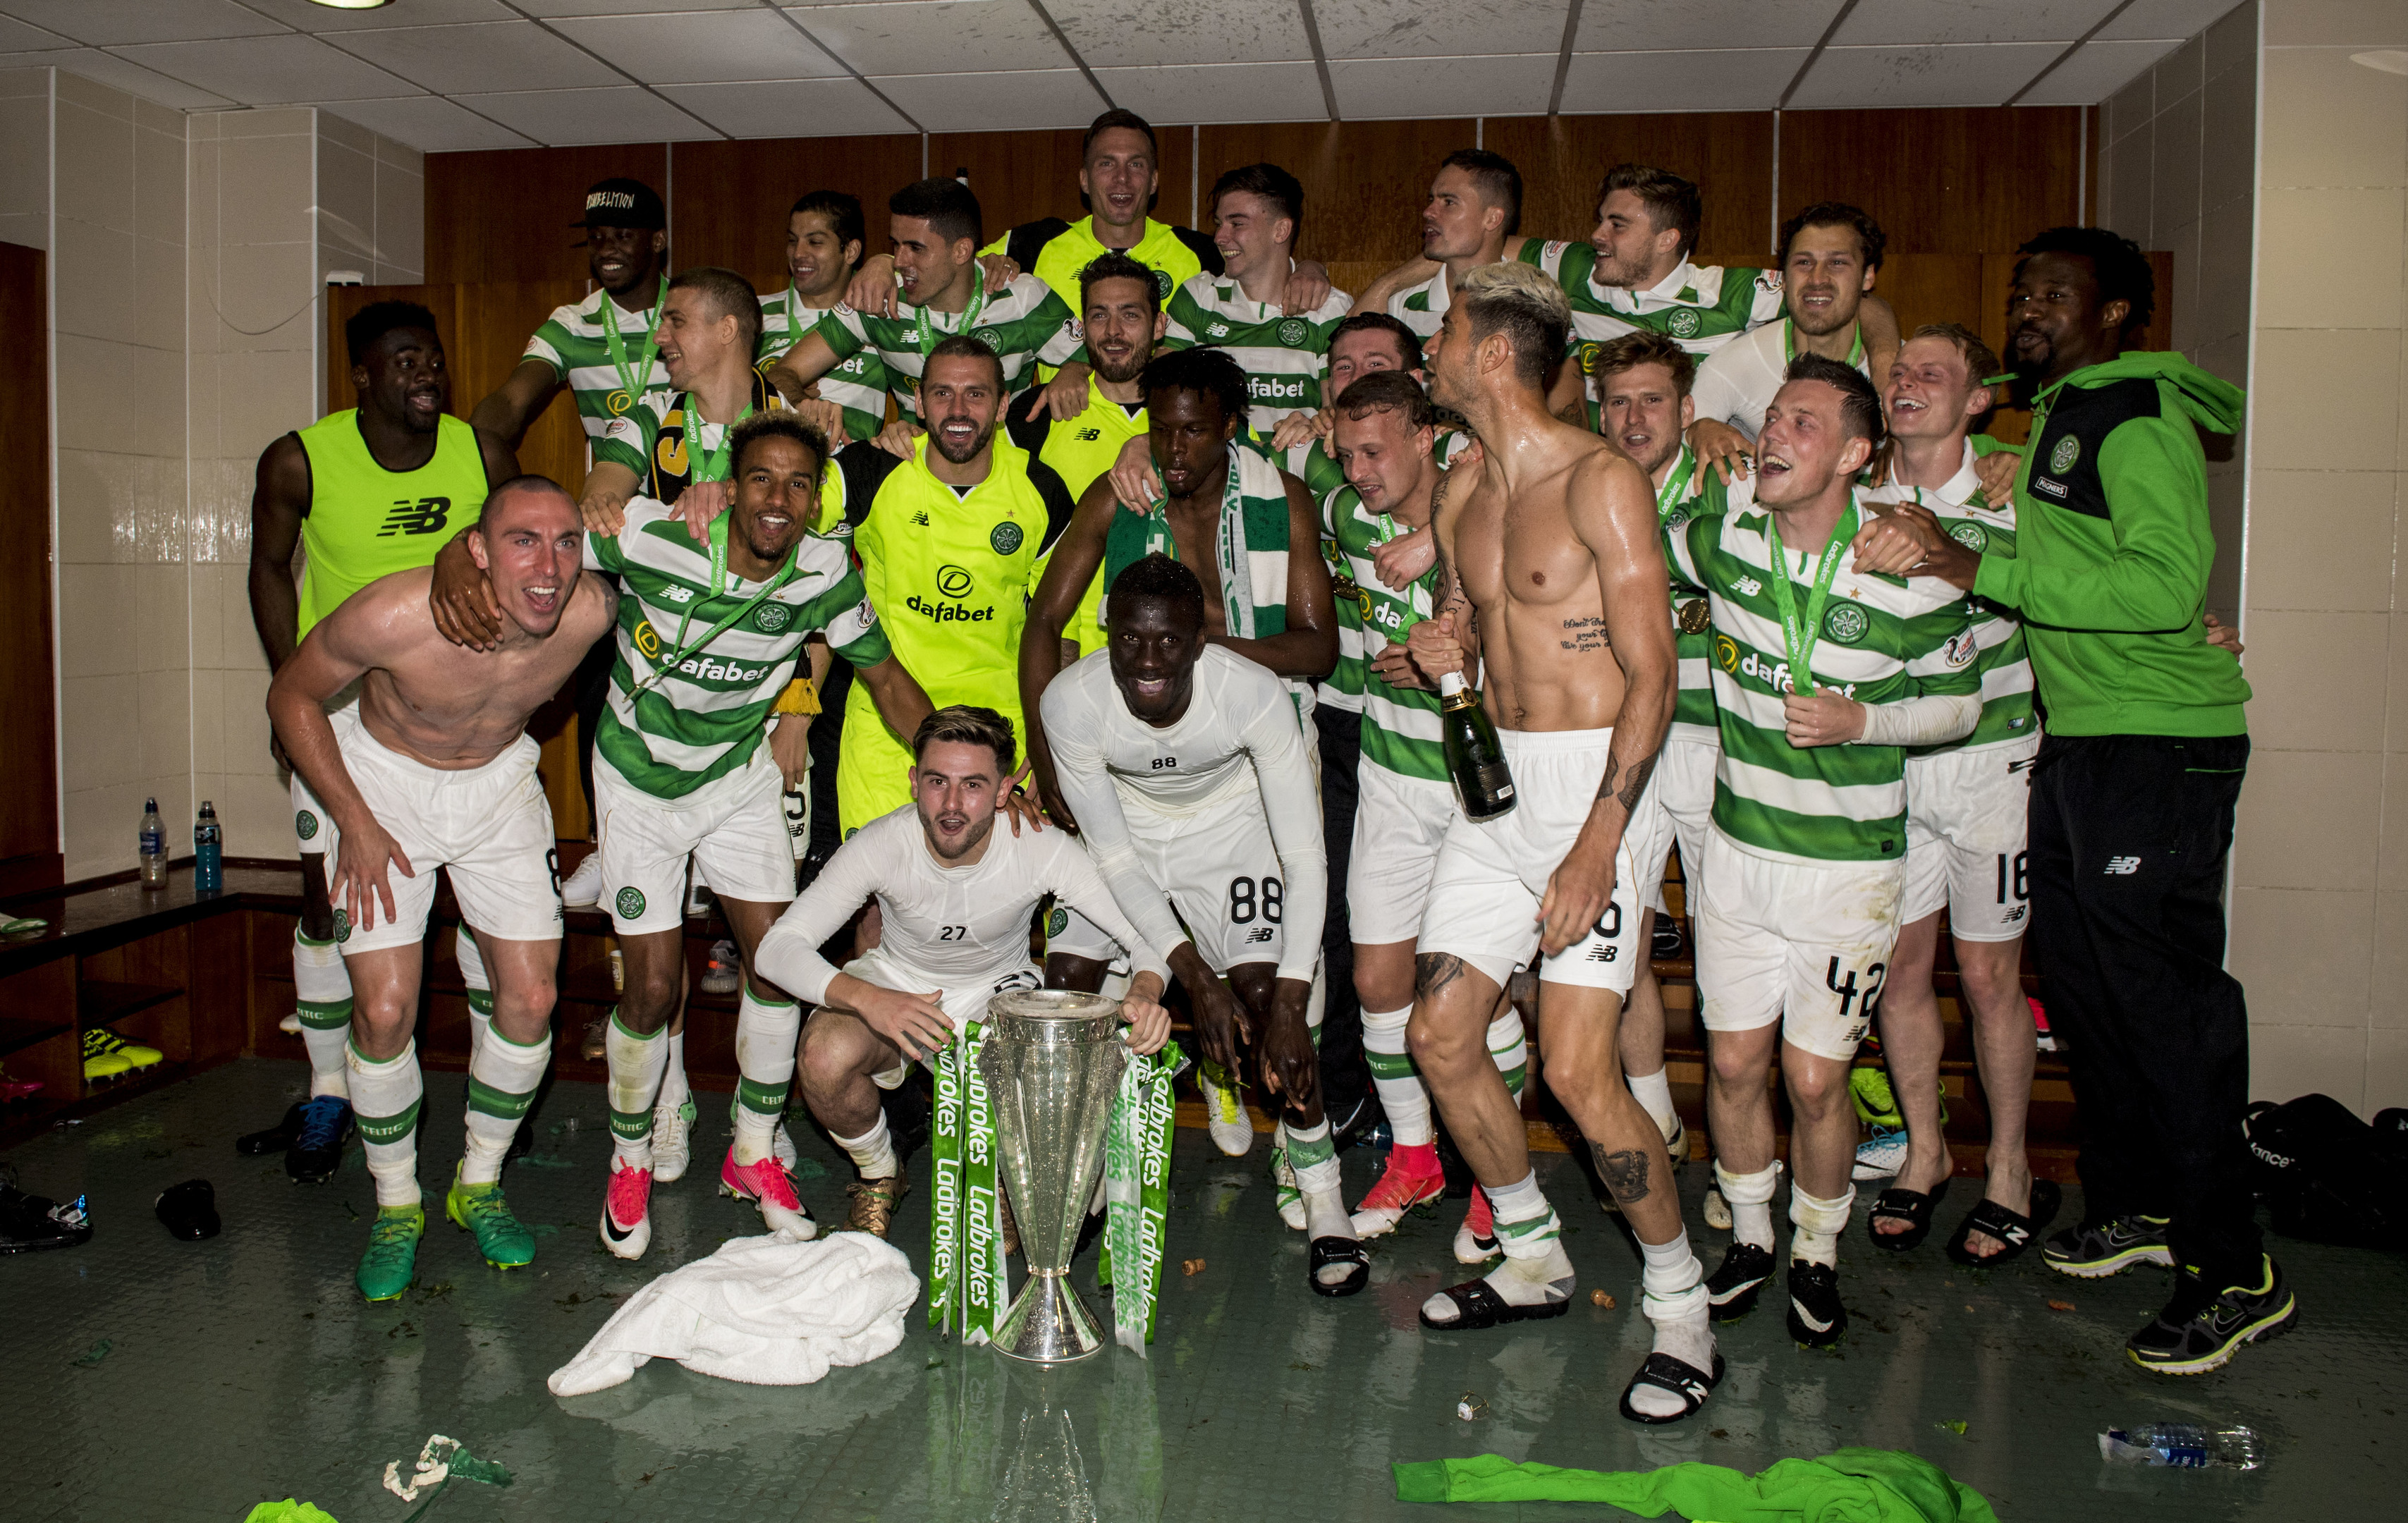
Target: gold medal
point(1694, 618)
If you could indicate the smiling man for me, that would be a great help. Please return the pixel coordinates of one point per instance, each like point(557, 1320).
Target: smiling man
point(1257, 211)
point(434, 768)
point(825, 235)
point(1830, 255)
point(955, 897)
point(678, 436)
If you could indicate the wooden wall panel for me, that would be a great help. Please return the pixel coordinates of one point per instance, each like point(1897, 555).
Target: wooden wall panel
point(732, 196)
point(1365, 183)
point(1022, 176)
point(504, 214)
point(29, 827)
point(1562, 160)
point(1973, 180)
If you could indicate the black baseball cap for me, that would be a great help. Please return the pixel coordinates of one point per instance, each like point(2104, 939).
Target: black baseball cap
point(623, 202)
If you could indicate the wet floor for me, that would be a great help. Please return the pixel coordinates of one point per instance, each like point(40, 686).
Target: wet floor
point(245, 1369)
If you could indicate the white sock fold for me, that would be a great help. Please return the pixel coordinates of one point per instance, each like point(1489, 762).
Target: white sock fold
point(503, 1077)
point(1750, 1197)
point(385, 1101)
point(1394, 1078)
point(872, 1152)
point(1675, 1302)
point(479, 985)
point(674, 1090)
point(1654, 1091)
point(636, 1063)
point(1817, 1225)
point(764, 1063)
point(322, 997)
point(1508, 1048)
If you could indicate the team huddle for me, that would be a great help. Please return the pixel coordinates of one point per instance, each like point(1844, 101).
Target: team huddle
point(1056, 671)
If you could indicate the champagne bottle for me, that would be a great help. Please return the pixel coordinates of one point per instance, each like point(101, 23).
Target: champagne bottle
point(1484, 784)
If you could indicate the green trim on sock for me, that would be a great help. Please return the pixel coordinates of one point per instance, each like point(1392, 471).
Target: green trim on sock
point(659, 1034)
point(307, 940)
point(1515, 1078)
point(543, 1041)
point(763, 1100)
point(1304, 1152)
point(481, 1001)
point(631, 1125)
point(485, 1099)
point(1535, 1229)
point(385, 1131)
point(749, 996)
point(331, 1015)
point(1390, 1065)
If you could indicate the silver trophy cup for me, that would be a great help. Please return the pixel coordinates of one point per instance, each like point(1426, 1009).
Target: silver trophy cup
point(1051, 1060)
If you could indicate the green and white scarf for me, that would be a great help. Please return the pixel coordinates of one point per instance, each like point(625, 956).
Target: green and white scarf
point(1252, 548)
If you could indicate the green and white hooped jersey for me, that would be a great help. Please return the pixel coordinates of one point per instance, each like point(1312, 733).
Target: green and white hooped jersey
point(1323, 477)
point(572, 341)
point(1400, 725)
point(1705, 496)
point(1880, 640)
point(858, 385)
point(1026, 324)
point(704, 719)
point(1700, 308)
point(1283, 356)
point(1422, 308)
point(2004, 669)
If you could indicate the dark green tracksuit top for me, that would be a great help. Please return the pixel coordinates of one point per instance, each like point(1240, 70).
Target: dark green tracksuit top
point(2112, 547)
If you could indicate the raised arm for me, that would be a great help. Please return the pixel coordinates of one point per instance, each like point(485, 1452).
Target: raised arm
point(513, 407)
point(1075, 561)
point(1309, 646)
point(901, 700)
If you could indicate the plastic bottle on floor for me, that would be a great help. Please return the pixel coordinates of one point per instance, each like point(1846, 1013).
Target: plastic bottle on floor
point(2183, 1445)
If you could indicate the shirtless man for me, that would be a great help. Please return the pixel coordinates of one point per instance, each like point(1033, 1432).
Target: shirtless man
point(434, 768)
point(1552, 572)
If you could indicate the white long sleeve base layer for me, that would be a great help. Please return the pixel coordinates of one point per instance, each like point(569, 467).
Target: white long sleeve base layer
point(1926, 721)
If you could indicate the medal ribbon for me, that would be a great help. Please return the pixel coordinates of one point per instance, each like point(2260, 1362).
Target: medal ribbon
point(930, 335)
point(616, 343)
point(1675, 485)
point(718, 587)
point(701, 467)
point(1789, 343)
point(1800, 638)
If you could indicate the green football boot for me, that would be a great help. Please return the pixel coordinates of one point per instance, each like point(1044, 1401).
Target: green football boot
point(391, 1258)
point(482, 1210)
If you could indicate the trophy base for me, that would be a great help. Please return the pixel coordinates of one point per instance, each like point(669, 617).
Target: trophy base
point(1048, 1324)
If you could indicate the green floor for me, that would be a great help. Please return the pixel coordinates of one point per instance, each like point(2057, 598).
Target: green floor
point(245, 1369)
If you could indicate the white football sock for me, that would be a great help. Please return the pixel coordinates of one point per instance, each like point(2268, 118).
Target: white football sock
point(1817, 1225)
point(503, 1077)
point(764, 1063)
point(322, 997)
point(385, 1098)
point(1750, 1197)
point(674, 1090)
point(479, 985)
point(1510, 1050)
point(1674, 1301)
point(1654, 1091)
point(1536, 1268)
point(635, 1066)
point(1394, 1078)
point(873, 1151)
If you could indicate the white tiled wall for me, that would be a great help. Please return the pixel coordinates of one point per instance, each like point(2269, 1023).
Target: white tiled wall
point(187, 260)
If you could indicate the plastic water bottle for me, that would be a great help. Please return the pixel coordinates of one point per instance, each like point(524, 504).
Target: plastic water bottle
point(155, 846)
point(2183, 1445)
point(209, 851)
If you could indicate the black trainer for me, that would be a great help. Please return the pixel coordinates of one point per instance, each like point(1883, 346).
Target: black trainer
point(29, 1223)
point(316, 1147)
point(1816, 1316)
point(1730, 1290)
point(2202, 1328)
point(276, 1139)
point(2095, 1250)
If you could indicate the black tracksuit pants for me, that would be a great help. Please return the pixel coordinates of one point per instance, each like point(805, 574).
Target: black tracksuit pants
point(1344, 1076)
point(2130, 835)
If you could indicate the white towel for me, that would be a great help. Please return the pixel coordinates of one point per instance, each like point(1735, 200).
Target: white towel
point(763, 1310)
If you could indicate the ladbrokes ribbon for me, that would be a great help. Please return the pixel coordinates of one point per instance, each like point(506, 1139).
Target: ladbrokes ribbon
point(1137, 1192)
point(966, 1284)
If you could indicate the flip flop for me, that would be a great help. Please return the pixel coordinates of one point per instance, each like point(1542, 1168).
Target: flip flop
point(1911, 1206)
point(1327, 1251)
point(2016, 1232)
point(1681, 1378)
point(1482, 1307)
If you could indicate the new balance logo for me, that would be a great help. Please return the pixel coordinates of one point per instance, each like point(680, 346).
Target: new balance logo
point(2123, 867)
point(2025, 764)
point(1260, 933)
point(921, 519)
point(1748, 586)
point(1089, 435)
point(427, 515)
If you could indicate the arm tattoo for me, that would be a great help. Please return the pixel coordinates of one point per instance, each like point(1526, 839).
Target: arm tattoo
point(1634, 782)
point(1433, 971)
point(1625, 1173)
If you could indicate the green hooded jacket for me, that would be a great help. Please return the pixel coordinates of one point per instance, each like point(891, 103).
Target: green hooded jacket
point(2112, 551)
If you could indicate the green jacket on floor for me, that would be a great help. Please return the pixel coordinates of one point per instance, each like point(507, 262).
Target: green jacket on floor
point(2112, 547)
point(1851, 1485)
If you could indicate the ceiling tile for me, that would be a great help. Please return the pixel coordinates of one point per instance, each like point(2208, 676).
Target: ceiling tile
point(839, 108)
point(1619, 26)
point(1388, 88)
point(1895, 23)
point(109, 22)
point(930, 37)
point(21, 37)
point(708, 47)
point(625, 8)
point(485, 55)
point(1968, 73)
point(309, 16)
point(270, 71)
point(428, 123)
point(1729, 79)
point(1015, 102)
point(2096, 72)
point(1127, 33)
point(117, 73)
point(1220, 93)
point(622, 115)
point(1383, 29)
point(2178, 18)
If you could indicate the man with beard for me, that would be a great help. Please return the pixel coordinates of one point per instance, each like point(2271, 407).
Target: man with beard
point(358, 494)
point(1830, 255)
point(433, 768)
point(955, 898)
point(2132, 799)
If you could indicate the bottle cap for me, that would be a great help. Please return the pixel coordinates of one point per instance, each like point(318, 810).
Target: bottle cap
point(149, 806)
point(208, 807)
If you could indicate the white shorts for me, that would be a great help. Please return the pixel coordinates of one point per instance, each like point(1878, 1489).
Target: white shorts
point(1684, 789)
point(309, 817)
point(1399, 824)
point(962, 1003)
point(1965, 812)
point(490, 826)
point(734, 827)
point(1220, 872)
point(1807, 944)
point(1491, 878)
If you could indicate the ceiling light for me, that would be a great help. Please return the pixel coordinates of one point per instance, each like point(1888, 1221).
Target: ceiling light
point(2389, 59)
point(350, 4)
